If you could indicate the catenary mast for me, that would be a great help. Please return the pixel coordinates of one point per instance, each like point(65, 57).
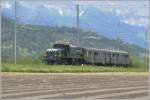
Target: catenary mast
point(15, 29)
point(78, 34)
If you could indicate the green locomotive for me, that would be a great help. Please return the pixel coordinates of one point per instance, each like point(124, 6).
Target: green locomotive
point(69, 54)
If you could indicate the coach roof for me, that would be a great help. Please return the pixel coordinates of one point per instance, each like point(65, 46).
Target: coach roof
point(107, 50)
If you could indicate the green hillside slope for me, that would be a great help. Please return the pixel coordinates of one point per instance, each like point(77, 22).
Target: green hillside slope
point(32, 40)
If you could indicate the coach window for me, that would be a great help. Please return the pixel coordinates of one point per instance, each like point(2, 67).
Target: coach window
point(96, 53)
point(113, 55)
point(117, 56)
point(87, 53)
point(90, 52)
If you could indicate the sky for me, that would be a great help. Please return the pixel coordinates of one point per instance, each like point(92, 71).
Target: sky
point(133, 12)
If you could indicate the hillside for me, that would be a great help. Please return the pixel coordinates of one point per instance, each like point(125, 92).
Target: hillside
point(32, 40)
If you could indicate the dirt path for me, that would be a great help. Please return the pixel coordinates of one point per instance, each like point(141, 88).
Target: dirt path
point(74, 86)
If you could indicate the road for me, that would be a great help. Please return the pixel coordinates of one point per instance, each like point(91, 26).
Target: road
point(74, 86)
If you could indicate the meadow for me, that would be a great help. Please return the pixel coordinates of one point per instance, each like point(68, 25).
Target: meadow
point(42, 68)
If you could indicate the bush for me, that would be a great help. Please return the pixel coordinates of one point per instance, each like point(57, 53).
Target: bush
point(137, 62)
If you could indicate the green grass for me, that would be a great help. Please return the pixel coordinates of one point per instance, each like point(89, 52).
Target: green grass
point(42, 68)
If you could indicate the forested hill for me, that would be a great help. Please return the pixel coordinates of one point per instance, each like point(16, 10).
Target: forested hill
point(34, 39)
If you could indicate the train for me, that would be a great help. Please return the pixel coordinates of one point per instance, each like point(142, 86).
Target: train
point(70, 54)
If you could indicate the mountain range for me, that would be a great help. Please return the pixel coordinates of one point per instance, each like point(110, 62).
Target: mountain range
point(103, 23)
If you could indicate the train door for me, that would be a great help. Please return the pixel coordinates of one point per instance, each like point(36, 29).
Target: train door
point(95, 57)
point(108, 58)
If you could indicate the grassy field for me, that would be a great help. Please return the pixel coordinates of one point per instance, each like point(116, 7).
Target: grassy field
point(42, 68)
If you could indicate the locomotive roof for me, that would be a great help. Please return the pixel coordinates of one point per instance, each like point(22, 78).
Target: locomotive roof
point(52, 49)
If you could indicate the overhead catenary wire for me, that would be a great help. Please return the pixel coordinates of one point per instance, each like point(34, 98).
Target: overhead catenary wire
point(15, 33)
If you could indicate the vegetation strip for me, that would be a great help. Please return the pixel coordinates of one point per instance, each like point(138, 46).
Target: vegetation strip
point(41, 68)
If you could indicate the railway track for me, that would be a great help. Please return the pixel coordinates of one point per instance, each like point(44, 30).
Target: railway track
point(74, 86)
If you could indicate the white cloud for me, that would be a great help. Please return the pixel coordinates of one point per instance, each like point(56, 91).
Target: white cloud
point(60, 11)
point(120, 12)
point(8, 5)
point(138, 21)
point(112, 3)
point(131, 22)
point(81, 13)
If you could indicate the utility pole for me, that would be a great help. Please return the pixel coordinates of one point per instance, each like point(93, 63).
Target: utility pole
point(15, 28)
point(0, 49)
point(146, 48)
point(78, 34)
point(118, 37)
point(149, 47)
point(149, 50)
point(0, 38)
